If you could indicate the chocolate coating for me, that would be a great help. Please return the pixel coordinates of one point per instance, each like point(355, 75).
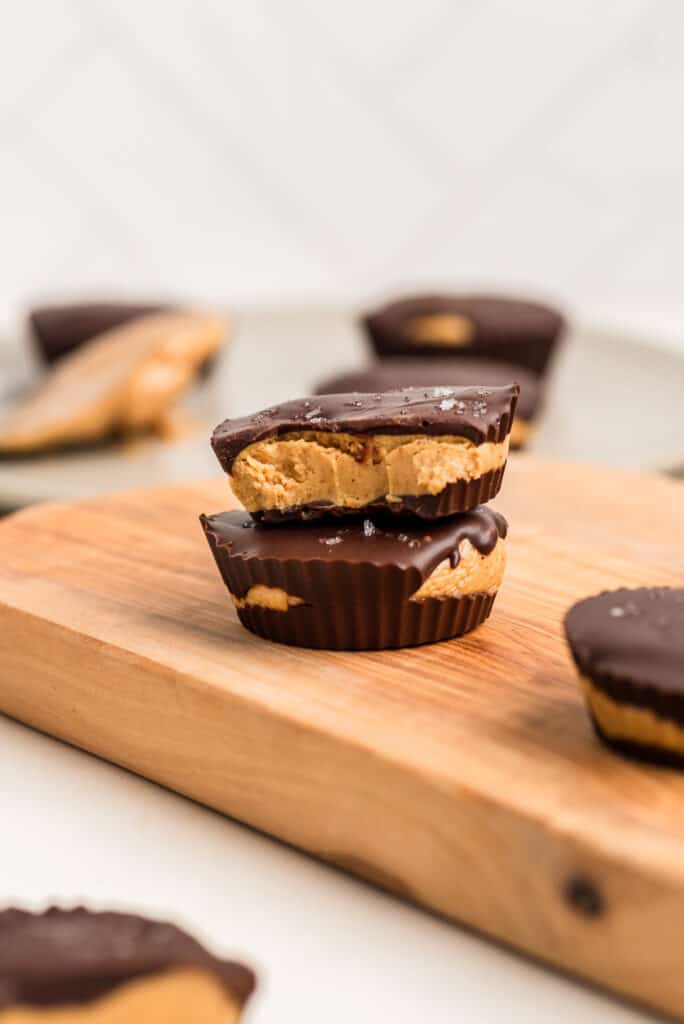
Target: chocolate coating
point(66, 957)
point(60, 329)
point(394, 374)
point(480, 414)
point(630, 644)
point(513, 330)
point(355, 579)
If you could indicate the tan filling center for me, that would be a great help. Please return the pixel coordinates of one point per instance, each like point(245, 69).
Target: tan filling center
point(440, 329)
point(475, 574)
point(267, 597)
point(633, 724)
point(352, 471)
point(172, 997)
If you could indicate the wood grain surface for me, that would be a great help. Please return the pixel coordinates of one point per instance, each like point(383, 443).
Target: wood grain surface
point(463, 776)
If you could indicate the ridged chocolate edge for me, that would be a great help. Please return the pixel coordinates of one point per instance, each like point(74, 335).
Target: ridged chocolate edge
point(461, 496)
point(362, 629)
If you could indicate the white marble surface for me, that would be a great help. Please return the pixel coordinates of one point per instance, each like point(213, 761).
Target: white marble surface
point(327, 948)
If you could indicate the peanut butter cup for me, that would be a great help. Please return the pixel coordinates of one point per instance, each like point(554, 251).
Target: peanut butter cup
point(110, 968)
point(628, 646)
point(496, 327)
point(360, 584)
point(424, 452)
point(59, 329)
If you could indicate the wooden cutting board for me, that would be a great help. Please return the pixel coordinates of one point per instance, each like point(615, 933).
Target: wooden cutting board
point(463, 776)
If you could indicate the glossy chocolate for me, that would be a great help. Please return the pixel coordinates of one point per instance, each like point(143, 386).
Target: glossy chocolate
point(479, 414)
point(394, 374)
point(354, 580)
point(514, 330)
point(66, 957)
point(60, 329)
point(630, 644)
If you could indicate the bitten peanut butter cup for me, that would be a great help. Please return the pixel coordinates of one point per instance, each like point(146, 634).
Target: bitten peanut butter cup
point(109, 968)
point(394, 374)
point(360, 584)
point(628, 646)
point(496, 327)
point(125, 381)
point(426, 452)
point(60, 329)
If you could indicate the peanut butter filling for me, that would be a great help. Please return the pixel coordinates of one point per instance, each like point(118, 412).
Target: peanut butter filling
point(631, 723)
point(440, 329)
point(267, 597)
point(475, 574)
point(352, 471)
point(176, 996)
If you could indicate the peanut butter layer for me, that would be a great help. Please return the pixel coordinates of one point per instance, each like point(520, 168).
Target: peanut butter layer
point(260, 596)
point(176, 996)
point(629, 723)
point(440, 329)
point(474, 573)
point(126, 380)
point(355, 470)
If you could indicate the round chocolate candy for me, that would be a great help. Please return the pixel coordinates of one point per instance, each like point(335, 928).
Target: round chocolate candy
point(628, 646)
point(360, 584)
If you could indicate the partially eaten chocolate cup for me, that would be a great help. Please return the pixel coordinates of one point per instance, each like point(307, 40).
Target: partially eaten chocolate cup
point(426, 453)
point(80, 967)
point(491, 326)
point(628, 646)
point(360, 584)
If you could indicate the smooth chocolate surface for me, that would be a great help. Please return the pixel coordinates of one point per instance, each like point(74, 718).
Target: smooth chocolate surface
point(75, 956)
point(354, 581)
point(394, 374)
point(499, 327)
point(630, 644)
point(62, 328)
point(479, 414)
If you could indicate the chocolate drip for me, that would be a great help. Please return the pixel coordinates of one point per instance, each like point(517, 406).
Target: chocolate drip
point(479, 414)
point(66, 957)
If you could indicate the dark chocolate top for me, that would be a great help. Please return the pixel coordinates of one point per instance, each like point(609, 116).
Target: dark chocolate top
point(75, 956)
point(634, 637)
point(493, 317)
point(480, 414)
point(375, 541)
point(393, 374)
point(60, 329)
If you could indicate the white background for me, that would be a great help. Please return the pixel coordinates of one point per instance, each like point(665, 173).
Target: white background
point(257, 151)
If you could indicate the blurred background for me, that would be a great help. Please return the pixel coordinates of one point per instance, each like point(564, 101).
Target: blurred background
point(293, 162)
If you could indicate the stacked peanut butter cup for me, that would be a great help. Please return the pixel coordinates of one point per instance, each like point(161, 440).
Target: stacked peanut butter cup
point(366, 522)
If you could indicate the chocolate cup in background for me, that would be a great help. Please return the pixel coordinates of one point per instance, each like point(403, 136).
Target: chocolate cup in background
point(60, 329)
point(348, 603)
point(458, 497)
point(510, 330)
point(392, 374)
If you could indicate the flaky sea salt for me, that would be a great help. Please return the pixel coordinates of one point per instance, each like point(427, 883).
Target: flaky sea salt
point(368, 528)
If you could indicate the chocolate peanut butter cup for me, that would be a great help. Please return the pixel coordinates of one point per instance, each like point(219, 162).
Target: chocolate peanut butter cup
point(394, 374)
point(112, 968)
point(628, 646)
point(60, 329)
point(496, 327)
point(360, 584)
point(425, 452)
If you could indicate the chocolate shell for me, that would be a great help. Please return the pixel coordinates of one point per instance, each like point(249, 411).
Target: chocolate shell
point(353, 581)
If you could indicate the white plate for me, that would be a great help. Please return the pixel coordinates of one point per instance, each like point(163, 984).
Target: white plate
point(613, 399)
